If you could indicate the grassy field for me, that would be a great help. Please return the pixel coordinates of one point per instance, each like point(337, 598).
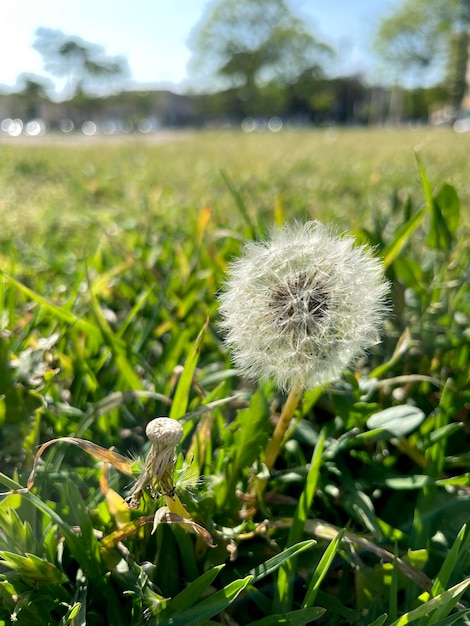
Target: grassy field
point(112, 253)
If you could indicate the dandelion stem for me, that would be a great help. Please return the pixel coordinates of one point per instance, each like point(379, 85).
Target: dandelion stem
point(258, 484)
point(274, 446)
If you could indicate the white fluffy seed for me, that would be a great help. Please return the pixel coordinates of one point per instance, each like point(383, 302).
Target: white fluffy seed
point(301, 306)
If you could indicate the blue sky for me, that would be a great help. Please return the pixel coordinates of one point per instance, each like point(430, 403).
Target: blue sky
point(153, 34)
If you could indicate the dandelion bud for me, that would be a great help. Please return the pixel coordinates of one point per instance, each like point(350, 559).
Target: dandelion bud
point(301, 306)
point(164, 432)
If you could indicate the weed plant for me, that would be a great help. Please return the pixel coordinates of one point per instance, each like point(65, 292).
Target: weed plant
point(111, 259)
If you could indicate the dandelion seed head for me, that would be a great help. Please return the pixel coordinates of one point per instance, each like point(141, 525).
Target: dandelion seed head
point(301, 306)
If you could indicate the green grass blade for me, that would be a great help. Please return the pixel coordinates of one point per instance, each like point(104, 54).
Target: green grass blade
point(85, 554)
point(322, 569)
point(447, 208)
point(181, 398)
point(435, 459)
point(401, 238)
point(444, 212)
point(293, 618)
point(60, 313)
point(379, 621)
point(455, 618)
point(308, 493)
point(139, 303)
point(459, 549)
point(250, 435)
point(393, 595)
point(129, 378)
point(13, 485)
point(425, 183)
point(445, 601)
point(192, 593)
point(284, 585)
point(270, 566)
point(241, 206)
point(213, 605)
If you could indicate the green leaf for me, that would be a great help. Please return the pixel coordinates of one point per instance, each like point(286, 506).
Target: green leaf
point(440, 433)
point(32, 568)
point(463, 479)
point(213, 605)
point(358, 503)
point(16, 534)
point(293, 618)
point(397, 420)
point(138, 304)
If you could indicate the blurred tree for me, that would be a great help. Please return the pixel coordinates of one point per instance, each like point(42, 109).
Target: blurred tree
point(429, 36)
point(84, 65)
point(458, 65)
point(34, 86)
point(32, 90)
point(248, 44)
point(310, 96)
point(419, 103)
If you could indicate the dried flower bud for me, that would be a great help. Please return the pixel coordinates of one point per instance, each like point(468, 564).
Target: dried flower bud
point(164, 432)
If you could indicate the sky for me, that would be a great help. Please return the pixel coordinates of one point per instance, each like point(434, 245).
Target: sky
point(153, 34)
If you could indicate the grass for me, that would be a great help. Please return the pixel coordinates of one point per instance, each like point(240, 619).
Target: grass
point(111, 256)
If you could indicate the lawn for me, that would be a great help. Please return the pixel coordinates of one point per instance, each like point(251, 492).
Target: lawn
point(113, 255)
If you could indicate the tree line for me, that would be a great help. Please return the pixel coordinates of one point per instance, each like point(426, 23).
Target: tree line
point(254, 58)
